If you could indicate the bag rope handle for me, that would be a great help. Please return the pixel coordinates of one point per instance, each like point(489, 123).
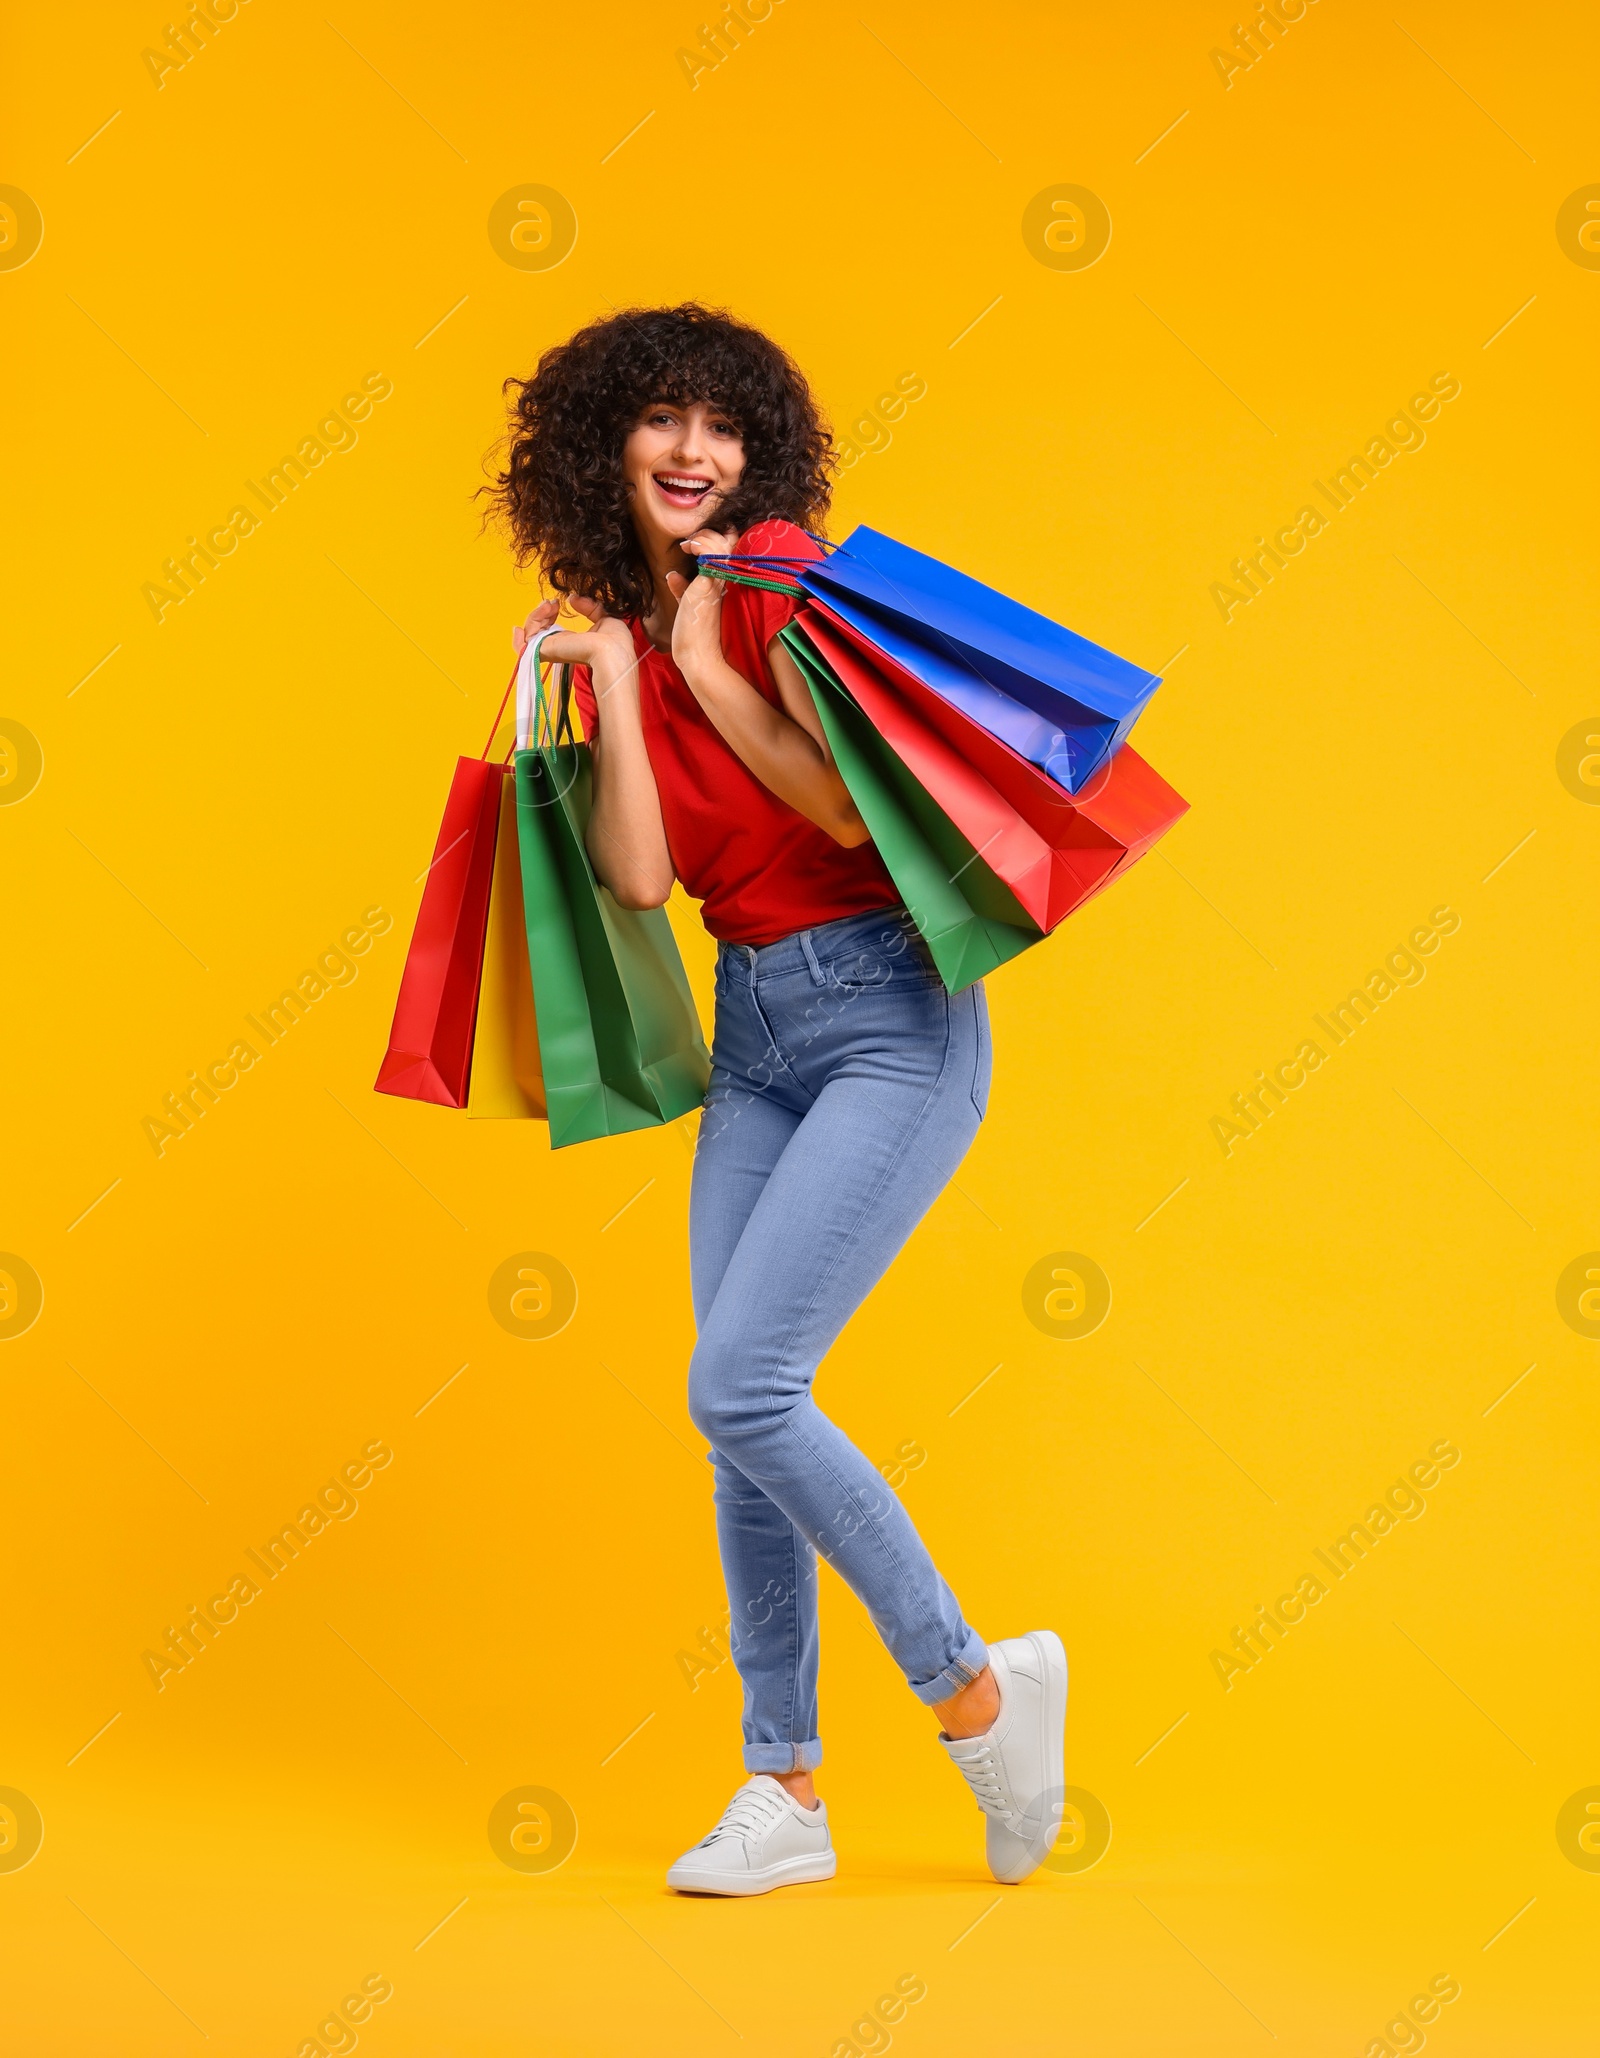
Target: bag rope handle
point(500, 710)
point(780, 566)
point(538, 725)
point(731, 578)
point(532, 708)
point(533, 702)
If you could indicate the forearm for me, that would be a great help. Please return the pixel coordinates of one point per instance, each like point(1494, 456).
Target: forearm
point(626, 840)
point(787, 761)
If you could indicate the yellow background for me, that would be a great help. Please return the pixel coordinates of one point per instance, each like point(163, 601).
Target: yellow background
point(303, 205)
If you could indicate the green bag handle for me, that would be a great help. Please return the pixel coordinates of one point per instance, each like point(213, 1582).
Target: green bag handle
point(721, 571)
point(539, 726)
point(774, 570)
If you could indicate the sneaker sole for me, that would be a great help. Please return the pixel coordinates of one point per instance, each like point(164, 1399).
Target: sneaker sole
point(1053, 1657)
point(686, 1879)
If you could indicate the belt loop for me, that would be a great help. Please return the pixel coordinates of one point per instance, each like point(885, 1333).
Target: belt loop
point(818, 976)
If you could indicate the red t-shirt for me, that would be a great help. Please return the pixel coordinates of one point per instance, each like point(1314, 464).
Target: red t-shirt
point(759, 869)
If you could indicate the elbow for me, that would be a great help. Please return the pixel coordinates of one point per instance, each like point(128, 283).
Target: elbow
point(840, 816)
point(640, 894)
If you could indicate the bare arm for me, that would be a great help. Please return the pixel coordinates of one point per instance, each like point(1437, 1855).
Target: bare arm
point(784, 747)
point(626, 841)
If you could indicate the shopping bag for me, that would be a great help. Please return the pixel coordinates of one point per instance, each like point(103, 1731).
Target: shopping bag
point(959, 636)
point(1053, 850)
point(620, 1046)
point(1042, 743)
point(1027, 733)
point(430, 1042)
point(966, 914)
point(507, 1081)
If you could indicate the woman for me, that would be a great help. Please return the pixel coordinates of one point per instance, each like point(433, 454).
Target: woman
point(846, 1082)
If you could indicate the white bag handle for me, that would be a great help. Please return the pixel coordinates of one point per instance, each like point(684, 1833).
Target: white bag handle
point(528, 686)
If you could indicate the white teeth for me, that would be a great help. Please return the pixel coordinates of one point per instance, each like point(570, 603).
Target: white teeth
point(677, 485)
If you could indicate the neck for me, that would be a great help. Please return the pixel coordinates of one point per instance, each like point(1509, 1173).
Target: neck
point(661, 556)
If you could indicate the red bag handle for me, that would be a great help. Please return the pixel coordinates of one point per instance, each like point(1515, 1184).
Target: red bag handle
point(500, 711)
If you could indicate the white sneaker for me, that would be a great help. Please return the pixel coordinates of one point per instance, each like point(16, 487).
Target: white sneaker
point(1016, 1768)
point(764, 1840)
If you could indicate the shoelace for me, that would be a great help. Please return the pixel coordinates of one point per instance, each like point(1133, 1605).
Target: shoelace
point(982, 1774)
point(752, 1810)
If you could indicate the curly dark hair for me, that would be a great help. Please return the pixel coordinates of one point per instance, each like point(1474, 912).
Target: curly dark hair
point(561, 493)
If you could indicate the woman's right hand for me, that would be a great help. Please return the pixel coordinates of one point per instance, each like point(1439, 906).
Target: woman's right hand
point(607, 646)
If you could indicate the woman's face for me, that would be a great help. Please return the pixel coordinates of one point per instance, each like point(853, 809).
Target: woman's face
point(680, 462)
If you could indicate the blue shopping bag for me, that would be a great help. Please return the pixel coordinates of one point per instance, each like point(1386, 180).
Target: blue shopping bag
point(1000, 662)
point(954, 680)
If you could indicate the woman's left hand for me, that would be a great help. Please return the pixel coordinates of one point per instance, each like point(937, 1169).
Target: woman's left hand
point(697, 626)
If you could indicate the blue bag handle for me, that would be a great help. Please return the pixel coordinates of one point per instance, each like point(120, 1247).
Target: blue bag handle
point(731, 565)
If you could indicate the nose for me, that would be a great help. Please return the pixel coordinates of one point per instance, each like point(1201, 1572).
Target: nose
point(690, 449)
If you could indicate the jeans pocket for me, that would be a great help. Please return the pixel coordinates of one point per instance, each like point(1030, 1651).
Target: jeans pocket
point(983, 1055)
point(887, 963)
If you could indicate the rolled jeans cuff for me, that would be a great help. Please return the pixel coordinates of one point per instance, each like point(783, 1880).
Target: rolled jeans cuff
point(804, 1757)
point(958, 1673)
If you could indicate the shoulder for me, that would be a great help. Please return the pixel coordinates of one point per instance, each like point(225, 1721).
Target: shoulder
point(778, 539)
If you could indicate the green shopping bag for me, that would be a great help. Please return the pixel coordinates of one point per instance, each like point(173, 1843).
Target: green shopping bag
point(619, 1041)
point(969, 918)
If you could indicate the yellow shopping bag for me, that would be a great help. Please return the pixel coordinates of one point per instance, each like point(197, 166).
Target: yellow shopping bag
point(507, 1079)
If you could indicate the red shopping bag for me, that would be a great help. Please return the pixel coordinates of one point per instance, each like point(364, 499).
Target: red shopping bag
point(430, 1043)
point(1053, 849)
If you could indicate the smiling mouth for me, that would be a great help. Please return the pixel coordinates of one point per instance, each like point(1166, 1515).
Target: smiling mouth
point(681, 489)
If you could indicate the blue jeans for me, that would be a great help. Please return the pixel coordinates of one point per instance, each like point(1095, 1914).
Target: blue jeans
point(846, 1085)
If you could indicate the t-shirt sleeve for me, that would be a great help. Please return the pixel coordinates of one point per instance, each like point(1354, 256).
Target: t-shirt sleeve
point(763, 612)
